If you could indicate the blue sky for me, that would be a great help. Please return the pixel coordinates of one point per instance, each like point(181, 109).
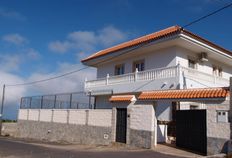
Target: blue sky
point(41, 38)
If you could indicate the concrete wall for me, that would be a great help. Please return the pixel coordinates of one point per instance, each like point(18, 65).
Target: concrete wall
point(218, 133)
point(9, 129)
point(141, 122)
point(73, 126)
point(97, 117)
point(142, 125)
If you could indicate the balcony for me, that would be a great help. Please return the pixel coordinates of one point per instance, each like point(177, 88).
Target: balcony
point(161, 78)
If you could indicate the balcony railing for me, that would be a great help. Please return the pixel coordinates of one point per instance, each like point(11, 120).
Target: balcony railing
point(201, 76)
point(153, 74)
point(156, 74)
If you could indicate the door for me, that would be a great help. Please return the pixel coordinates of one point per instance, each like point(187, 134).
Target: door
point(191, 130)
point(121, 125)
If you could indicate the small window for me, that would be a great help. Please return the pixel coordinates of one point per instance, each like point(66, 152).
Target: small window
point(217, 71)
point(139, 65)
point(119, 69)
point(222, 116)
point(191, 64)
point(220, 72)
point(214, 70)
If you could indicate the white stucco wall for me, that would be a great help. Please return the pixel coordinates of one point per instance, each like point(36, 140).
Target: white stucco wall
point(77, 117)
point(33, 114)
point(142, 116)
point(89, 117)
point(206, 67)
point(100, 118)
point(163, 110)
point(153, 59)
point(22, 115)
point(45, 115)
point(60, 116)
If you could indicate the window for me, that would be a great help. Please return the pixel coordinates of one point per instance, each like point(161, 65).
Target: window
point(222, 116)
point(119, 69)
point(217, 71)
point(139, 65)
point(191, 64)
point(220, 72)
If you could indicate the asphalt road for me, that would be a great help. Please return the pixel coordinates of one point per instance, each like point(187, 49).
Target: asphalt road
point(10, 148)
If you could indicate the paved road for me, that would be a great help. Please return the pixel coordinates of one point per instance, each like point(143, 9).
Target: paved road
point(10, 148)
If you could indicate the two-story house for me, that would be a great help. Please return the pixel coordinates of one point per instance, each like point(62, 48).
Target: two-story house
point(161, 62)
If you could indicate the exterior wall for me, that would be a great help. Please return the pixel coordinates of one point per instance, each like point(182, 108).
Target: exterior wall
point(102, 102)
point(73, 126)
point(183, 55)
point(163, 110)
point(206, 67)
point(141, 123)
point(218, 133)
point(153, 59)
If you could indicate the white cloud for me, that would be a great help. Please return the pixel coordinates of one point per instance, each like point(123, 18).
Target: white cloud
point(9, 14)
point(16, 39)
point(110, 35)
point(71, 83)
point(33, 54)
point(12, 94)
point(87, 41)
point(10, 62)
point(59, 47)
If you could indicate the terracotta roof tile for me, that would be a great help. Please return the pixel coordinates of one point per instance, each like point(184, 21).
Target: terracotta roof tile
point(151, 37)
point(122, 98)
point(137, 41)
point(186, 94)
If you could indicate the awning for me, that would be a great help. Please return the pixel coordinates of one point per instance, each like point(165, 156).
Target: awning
point(221, 92)
point(122, 98)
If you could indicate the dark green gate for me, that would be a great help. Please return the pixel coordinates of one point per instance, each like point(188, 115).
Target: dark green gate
point(191, 130)
point(121, 125)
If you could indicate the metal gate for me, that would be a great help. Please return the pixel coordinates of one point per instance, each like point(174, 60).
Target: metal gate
point(191, 130)
point(121, 125)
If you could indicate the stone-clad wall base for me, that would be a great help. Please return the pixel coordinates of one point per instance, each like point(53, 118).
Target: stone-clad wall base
point(216, 145)
point(58, 132)
point(140, 138)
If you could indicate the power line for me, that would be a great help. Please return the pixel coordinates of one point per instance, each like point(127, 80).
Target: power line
point(72, 72)
point(206, 16)
point(141, 45)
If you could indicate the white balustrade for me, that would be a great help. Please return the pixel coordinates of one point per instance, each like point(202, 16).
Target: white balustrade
point(155, 74)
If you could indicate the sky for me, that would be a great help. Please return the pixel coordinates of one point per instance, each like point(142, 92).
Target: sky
point(40, 39)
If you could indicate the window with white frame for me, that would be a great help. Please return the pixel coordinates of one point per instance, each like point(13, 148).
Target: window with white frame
point(119, 69)
point(192, 64)
point(222, 116)
point(139, 65)
point(217, 71)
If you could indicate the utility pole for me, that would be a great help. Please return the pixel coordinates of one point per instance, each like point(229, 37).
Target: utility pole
point(1, 112)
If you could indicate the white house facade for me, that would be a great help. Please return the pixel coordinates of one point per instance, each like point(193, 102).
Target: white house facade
point(170, 59)
point(170, 86)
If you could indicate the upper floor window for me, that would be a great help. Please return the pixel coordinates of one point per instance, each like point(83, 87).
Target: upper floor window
point(119, 69)
point(139, 65)
point(217, 71)
point(192, 64)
